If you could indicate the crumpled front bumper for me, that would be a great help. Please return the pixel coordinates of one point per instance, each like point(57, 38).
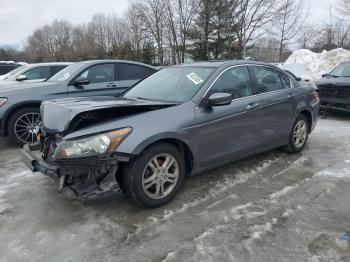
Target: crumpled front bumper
point(106, 187)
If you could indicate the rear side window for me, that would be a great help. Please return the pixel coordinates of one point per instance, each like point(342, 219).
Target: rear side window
point(268, 79)
point(41, 72)
point(285, 81)
point(56, 69)
point(133, 72)
point(99, 73)
point(235, 81)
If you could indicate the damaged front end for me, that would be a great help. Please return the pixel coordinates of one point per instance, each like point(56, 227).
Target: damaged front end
point(334, 97)
point(88, 166)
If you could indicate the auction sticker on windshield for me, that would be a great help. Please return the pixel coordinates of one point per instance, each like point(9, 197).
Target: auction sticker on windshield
point(196, 79)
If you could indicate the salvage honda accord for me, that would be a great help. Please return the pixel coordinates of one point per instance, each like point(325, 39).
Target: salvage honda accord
point(179, 121)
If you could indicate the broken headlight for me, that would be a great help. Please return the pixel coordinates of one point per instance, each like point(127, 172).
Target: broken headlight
point(91, 146)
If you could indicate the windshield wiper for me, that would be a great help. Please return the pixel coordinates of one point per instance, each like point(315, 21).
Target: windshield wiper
point(146, 99)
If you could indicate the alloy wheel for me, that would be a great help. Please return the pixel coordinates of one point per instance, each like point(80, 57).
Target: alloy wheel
point(160, 176)
point(27, 127)
point(300, 134)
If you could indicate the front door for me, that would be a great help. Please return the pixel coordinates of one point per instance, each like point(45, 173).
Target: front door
point(227, 132)
point(102, 81)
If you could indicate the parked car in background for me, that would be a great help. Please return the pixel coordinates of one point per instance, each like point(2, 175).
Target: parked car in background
point(334, 89)
point(20, 103)
point(6, 67)
point(33, 73)
point(179, 121)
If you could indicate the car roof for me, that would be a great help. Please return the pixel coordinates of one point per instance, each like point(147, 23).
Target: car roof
point(49, 64)
point(217, 64)
point(92, 62)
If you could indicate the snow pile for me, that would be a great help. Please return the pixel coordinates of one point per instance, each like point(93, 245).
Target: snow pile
point(309, 65)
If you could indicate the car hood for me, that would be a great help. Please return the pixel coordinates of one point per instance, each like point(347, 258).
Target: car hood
point(9, 88)
point(333, 81)
point(69, 114)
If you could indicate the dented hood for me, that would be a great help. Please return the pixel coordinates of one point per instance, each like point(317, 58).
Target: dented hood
point(58, 114)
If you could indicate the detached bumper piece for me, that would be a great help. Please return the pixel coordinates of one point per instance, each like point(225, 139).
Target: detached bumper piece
point(91, 179)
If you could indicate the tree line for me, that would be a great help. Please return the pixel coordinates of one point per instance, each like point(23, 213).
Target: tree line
point(167, 32)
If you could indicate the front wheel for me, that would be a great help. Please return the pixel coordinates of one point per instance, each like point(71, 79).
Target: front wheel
point(24, 125)
point(154, 178)
point(298, 135)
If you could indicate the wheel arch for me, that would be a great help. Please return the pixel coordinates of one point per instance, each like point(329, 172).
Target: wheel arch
point(308, 116)
point(183, 147)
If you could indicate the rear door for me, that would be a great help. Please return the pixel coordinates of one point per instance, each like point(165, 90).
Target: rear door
point(130, 74)
point(103, 81)
point(277, 104)
point(228, 132)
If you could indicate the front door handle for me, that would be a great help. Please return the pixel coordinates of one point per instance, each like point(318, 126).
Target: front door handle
point(252, 106)
point(112, 85)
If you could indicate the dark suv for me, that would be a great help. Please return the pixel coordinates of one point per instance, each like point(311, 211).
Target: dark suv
point(7, 67)
point(19, 104)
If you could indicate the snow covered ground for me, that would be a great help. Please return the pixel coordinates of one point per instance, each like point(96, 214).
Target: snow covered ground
point(271, 207)
point(309, 65)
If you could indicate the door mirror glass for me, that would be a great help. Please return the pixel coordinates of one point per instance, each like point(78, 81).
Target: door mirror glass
point(220, 99)
point(21, 78)
point(81, 81)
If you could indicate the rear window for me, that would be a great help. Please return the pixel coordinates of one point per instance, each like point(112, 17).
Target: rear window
point(133, 72)
point(56, 69)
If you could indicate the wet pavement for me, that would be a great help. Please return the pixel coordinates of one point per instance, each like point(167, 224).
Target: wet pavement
point(271, 207)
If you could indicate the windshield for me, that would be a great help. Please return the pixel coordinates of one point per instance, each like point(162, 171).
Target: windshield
point(342, 70)
point(66, 73)
point(176, 84)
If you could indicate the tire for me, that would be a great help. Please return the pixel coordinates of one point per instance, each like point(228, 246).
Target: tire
point(18, 134)
point(296, 144)
point(136, 173)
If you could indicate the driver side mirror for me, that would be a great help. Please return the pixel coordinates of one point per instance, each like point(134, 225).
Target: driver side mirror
point(325, 75)
point(219, 99)
point(21, 78)
point(81, 81)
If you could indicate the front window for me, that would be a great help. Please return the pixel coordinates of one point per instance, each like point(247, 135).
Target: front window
point(42, 72)
point(235, 81)
point(176, 84)
point(99, 73)
point(342, 70)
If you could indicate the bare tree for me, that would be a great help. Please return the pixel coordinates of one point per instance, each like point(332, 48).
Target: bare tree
point(290, 17)
point(152, 12)
point(252, 18)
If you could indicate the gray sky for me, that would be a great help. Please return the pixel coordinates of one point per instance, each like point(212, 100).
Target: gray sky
point(18, 18)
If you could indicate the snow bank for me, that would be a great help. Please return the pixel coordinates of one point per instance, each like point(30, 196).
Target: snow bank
point(309, 65)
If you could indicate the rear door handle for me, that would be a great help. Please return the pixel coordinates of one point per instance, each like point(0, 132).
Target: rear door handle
point(252, 106)
point(290, 95)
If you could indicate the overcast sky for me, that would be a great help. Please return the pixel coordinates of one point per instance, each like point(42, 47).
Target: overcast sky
point(18, 18)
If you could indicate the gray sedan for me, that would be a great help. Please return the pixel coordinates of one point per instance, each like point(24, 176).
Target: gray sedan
point(177, 122)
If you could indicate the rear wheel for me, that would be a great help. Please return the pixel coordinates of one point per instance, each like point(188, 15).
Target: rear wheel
point(24, 125)
point(155, 177)
point(298, 135)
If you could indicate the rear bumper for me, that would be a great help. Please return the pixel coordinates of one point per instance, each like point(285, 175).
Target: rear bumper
point(2, 128)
